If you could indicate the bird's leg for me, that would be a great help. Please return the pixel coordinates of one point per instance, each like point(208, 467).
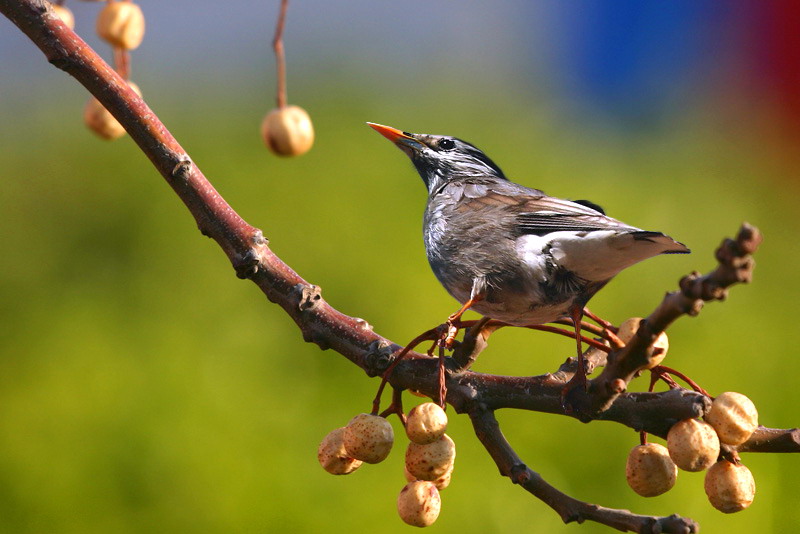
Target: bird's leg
point(467, 305)
point(476, 295)
point(451, 328)
point(580, 374)
point(579, 378)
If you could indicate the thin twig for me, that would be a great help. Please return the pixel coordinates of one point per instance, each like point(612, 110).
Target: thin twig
point(280, 55)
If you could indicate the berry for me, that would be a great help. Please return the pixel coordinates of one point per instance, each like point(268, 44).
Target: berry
point(627, 330)
point(121, 24)
point(65, 14)
point(419, 503)
point(332, 456)
point(432, 460)
point(730, 487)
point(288, 131)
point(426, 423)
point(368, 438)
point(734, 417)
point(650, 471)
point(693, 444)
point(441, 483)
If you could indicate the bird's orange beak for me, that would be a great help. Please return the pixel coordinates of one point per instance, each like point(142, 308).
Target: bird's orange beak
point(392, 134)
point(404, 141)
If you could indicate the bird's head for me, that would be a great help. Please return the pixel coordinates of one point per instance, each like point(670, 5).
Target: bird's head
point(440, 159)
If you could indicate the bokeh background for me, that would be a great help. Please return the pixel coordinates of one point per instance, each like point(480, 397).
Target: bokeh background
point(143, 388)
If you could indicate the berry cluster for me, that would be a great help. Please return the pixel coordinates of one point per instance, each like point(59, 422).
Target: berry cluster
point(694, 445)
point(429, 459)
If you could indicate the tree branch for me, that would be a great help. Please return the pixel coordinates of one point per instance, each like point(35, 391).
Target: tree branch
point(735, 265)
point(488, 431)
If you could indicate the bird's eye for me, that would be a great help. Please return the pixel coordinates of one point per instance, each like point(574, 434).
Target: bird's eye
point(446, 144)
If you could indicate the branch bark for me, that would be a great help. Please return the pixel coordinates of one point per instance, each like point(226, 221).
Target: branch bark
point(477, 394)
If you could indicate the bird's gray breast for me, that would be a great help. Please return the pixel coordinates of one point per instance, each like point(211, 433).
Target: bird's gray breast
point(468, 241)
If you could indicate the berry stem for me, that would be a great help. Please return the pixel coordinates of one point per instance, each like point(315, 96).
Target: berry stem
point(694, 385)
point(280, 56)
point(376, 403)
point(122, 63)
point(442, 380)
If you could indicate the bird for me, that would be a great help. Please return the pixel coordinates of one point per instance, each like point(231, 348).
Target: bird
point(512, 253)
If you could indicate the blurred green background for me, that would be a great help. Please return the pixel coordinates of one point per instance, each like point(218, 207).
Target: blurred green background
point(143, 388)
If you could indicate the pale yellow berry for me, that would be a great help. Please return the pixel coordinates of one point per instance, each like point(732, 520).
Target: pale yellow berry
point(288, 131)
point(649, 470)
point(441, 483)
point(333, 457)
point(368, 438)
point(627, 330)
point(734, 417)
point(730, 487)
point(419, 503)
point(65, 14)
point(432, 460)
point(98, 119)
point(121, 24)
point(693, 444)
point(426, 423)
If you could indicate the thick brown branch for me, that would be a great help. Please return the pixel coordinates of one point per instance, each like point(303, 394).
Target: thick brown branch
point(488, 431)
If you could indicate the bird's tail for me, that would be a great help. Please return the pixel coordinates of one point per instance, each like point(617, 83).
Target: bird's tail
point(670, 245)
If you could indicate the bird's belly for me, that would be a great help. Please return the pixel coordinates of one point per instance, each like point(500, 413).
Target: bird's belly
point(522, 311)
point(520, 303)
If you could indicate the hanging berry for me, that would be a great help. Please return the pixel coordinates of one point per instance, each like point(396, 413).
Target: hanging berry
point(286, 130)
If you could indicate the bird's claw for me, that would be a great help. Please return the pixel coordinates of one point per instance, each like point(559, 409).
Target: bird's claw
point(574, 390)
point(449, 335)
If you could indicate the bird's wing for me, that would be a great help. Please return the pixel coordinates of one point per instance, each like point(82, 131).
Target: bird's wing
point(545, 214)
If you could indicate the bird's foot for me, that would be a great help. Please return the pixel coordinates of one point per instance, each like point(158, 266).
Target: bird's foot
point(450, 331)
point(574, 390)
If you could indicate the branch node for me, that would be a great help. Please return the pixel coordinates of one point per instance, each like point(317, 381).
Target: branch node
point(183, 169)
point(258, 239)
point(309, 296)
point(520, 474)
point(378, 357)
point(247, 264)
point(362, 324)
